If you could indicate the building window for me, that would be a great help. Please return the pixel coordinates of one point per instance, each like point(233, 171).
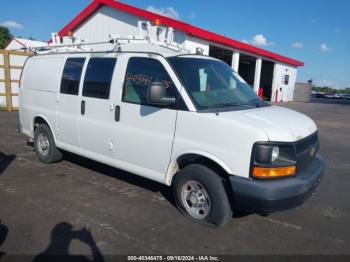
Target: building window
point(98, 77)
point(71, 76)
point(140, 74)
point(286, 79)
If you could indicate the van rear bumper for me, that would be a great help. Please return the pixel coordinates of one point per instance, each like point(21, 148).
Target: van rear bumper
point(276, 195)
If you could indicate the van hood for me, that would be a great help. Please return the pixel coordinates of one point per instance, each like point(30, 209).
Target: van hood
point(279, 123)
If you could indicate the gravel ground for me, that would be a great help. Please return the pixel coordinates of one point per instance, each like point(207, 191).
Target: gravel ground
point(79, 206)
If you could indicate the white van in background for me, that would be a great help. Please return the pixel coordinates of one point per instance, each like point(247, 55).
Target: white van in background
point(184, 120)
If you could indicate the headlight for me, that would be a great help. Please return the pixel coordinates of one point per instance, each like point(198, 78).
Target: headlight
point(273, 160)
point(275, 153)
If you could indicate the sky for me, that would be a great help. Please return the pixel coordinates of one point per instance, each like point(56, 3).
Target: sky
point(316, 32)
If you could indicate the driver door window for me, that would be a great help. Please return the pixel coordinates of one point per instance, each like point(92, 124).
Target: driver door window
point(140, 74)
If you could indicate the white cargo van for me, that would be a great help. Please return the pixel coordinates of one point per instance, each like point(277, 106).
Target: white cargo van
point(184, 120)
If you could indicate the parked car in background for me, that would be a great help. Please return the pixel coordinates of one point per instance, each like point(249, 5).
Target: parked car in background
point(318, 95)
point(334, 96)
point(345, 96)
point(329, 96)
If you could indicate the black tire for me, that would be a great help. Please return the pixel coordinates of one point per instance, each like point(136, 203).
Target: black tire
point(52, 154)
point(220, 211)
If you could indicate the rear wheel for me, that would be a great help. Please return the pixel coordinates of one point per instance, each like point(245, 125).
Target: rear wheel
point(201, 196)
point(44, 145)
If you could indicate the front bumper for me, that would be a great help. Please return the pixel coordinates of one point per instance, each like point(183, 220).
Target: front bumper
point(275, 195)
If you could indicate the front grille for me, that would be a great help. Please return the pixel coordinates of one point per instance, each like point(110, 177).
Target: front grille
point(305, 143)
point(306, 150)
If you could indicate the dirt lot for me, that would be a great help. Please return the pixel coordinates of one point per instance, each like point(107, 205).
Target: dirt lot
point(81, 207)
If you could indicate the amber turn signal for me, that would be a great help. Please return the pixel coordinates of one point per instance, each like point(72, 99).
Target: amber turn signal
point(272, 172)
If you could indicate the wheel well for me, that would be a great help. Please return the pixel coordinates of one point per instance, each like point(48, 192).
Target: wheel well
point(38, 121)
point(188, 159)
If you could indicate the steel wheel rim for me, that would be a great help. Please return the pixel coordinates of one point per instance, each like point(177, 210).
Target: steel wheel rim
point(196, 199)
point(43, 144)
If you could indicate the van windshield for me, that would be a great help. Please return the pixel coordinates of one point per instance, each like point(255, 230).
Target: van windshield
point(212, 84)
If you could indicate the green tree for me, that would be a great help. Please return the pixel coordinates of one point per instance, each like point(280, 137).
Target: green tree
point(5, 37)
point(329, 90)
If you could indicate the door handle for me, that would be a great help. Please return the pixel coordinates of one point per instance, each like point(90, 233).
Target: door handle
point(82, 107)
point(117, 113)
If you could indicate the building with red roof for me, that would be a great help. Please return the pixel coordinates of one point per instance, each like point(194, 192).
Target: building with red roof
point(272, 75)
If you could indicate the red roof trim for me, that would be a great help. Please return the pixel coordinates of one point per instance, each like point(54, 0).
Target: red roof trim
point(187, 28)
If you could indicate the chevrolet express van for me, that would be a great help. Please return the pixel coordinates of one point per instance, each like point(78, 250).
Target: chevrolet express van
point(187, 121)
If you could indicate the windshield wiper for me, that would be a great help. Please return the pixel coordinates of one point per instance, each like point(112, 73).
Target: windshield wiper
point(256, 102)
point(227, 104)
point(221, 105)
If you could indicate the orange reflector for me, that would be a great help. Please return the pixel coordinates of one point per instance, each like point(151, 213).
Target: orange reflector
point(157, 22)
point(271, 172)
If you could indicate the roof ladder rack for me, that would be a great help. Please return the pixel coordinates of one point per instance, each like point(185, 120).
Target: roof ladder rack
point(164, 38)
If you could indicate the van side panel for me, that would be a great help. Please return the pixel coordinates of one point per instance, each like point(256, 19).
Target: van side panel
point(40, 85)
point(41, 74)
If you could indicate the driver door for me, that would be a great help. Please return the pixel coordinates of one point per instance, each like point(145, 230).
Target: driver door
point(144, 133)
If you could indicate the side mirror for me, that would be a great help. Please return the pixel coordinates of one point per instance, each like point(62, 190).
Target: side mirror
point(157, 95)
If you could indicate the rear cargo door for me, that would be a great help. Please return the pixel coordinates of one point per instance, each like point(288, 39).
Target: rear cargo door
point(68, 102)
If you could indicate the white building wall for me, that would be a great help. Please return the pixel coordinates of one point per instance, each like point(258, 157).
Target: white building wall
point(107, 21)
point(293, 80)
point(285, 92)
point(110, 21)
point(13, 45)
point(191, 43)
point(20, 43)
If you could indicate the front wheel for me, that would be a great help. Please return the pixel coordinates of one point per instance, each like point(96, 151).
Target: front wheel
point(200, 195)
